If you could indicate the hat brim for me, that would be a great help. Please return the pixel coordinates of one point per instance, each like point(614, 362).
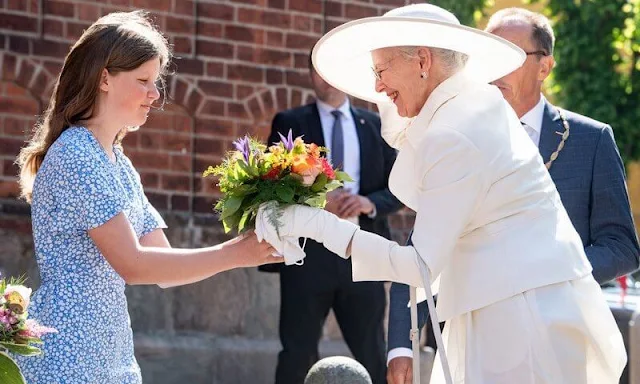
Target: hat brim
point(342, 56)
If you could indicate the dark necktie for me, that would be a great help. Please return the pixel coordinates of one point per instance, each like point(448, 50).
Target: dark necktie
point(337, 141)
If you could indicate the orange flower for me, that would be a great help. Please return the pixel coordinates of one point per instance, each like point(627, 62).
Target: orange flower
point(308, 167)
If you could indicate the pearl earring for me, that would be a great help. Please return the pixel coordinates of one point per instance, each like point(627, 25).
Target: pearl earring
point(423, 75)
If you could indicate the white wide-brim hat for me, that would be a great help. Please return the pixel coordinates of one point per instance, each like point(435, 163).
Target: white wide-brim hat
point(342, 57)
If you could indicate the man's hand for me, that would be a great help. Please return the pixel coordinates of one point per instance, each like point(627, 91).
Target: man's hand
point(400, 370)
point(334, 200)
point(355, 205)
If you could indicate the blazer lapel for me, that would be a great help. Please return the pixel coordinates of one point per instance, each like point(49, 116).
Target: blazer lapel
point(366, 141)
point(549, 139)
point(312, 129)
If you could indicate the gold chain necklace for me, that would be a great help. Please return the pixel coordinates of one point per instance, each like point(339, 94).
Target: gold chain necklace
point(565, 136)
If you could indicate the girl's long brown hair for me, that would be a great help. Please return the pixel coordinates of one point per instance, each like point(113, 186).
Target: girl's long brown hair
point(117, 42)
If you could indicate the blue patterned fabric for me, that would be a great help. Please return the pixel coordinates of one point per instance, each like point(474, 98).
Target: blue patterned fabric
point(76, 189)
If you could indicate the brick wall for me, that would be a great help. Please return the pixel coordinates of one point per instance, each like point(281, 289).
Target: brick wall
point(237, 64)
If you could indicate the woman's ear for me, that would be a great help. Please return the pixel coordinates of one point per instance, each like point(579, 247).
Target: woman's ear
point(425, 58)
point(104, 80)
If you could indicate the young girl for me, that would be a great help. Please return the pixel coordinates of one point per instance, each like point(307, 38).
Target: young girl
point(94, 229)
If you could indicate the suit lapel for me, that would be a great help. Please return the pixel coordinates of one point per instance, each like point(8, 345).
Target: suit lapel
point(365, 140)
point(551, 124)
point(312, 127)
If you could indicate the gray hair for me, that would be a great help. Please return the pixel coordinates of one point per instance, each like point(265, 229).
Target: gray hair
point(542, 33)
point(452, 61)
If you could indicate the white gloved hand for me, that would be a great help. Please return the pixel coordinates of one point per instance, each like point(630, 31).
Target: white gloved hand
point(393, 126)
point(302, 221)
point(287, 246)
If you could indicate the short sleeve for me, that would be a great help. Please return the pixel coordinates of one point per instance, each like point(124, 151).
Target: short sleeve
point(151, 218)
point(84, 185)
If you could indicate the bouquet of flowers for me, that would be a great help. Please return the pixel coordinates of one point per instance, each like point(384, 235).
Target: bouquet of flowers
point(288, 172)
point(18, 334)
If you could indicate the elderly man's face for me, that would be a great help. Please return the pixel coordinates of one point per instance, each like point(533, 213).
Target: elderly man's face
point(399, 78)
point(521, 88)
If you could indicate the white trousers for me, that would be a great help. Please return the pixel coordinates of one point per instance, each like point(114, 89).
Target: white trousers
point(558, 334)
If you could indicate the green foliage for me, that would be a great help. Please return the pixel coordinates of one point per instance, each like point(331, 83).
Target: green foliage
point(598, 64)
point(467, 11)
point(9, 371)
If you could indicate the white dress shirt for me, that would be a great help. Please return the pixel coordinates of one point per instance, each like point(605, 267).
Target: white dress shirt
point(351, 142)
point(532, 121)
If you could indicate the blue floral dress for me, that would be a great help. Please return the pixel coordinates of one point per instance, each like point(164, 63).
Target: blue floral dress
point(76, 189)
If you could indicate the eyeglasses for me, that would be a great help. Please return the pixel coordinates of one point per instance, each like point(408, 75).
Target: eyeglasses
point(537, 53)
point(378, 73)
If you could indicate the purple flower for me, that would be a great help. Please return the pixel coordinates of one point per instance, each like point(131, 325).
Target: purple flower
point(287, 141)
point(242, 145)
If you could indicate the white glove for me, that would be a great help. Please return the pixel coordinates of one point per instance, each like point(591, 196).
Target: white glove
point(302, 221)
point(393, 126)
point(287, 246)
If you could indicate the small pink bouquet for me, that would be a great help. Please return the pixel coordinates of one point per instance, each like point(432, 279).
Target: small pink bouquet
point(18, 334)
point(288, 172)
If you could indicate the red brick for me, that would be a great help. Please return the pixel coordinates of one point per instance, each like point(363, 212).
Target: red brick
point(59, 8)
point(183, 123)
point(216, 88)
point(52, 27)
point(310, 6)
point(19, 44)
point(301, 61)
point(354, 11)
point(18, 5)
point(298, 79)
point(245, 73)
point(178, 91)
point(259, 3)
point(50, 48)
point(75, 30)
point(254, 106)
point(333, 8)
point(149, 179)
point(184, 7)
point(10, 146)
point(214, 49)
point(275, 19)
point(189, 66)
point(180, 25)
point(218, 127)
point(181, 163)
point(180, 203)
point(296, 97)
point(318, 26)
point(302, 23)
point(209, 146)
point(182, 45)
point(149, 159)
point(280, 4)
point(88, 12)
point(237, 110)
point(10, 167)
point(275, 39)
point(268, 102)
point(275, 76)
point(9, 67)
point(299, 41)
point(15, 126)
point(18, 23)
point(194, 100)
point(177, 143)
point(209, 29)
point(213, 107)
point(240, 33)
point(41, 83)
point(151, 140)
point(53, 67)
point(282, 98)
point(158, 200)
point(158, 5)
point(243, 91)
point(215, 69)
point(203, 204)
point(215, 11)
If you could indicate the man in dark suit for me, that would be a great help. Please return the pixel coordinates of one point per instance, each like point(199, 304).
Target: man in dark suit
point(324, 282)
point(583, 161)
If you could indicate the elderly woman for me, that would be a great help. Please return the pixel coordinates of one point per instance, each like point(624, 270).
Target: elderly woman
point(514, 284)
